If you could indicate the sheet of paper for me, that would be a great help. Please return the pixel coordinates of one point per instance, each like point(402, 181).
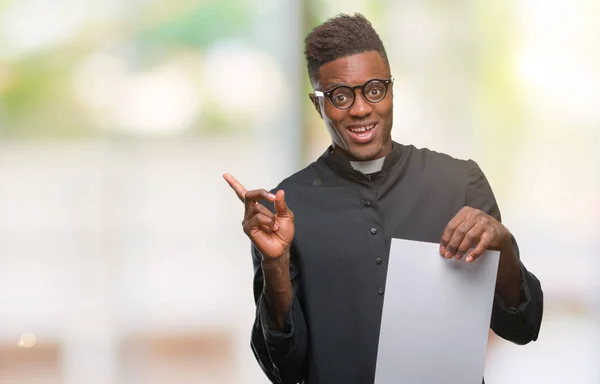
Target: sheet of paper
point(436, 316)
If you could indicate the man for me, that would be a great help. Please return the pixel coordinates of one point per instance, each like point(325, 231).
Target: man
point(320, 270)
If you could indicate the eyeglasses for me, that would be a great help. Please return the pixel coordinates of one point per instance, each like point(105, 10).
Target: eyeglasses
point(343, 97)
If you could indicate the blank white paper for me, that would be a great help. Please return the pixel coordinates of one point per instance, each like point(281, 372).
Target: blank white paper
point(436, 316)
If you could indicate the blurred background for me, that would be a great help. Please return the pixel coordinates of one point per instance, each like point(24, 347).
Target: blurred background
point(122, 258)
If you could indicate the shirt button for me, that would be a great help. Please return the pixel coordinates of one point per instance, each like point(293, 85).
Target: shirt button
point(373, 231)
point(379, 261)
point(367, 203)
point(380, 292)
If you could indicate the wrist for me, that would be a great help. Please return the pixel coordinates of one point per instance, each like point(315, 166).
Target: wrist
point(506, 245)
point(508, 280)
point(276, 262)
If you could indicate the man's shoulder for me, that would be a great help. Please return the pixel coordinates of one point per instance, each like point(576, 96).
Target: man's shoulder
point(430, 160)
point(437, 166)
point(430, 155)
point(307, 176)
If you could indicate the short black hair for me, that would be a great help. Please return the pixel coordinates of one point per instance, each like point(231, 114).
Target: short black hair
point(340, 36)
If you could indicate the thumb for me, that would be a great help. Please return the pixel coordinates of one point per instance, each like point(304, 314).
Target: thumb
point(280, 205)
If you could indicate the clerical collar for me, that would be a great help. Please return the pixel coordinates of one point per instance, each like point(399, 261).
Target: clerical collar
point(339, 160)
point(368, 167)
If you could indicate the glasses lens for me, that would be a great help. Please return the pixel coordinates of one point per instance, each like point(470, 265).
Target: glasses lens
point(375, 91)
point(342, 97)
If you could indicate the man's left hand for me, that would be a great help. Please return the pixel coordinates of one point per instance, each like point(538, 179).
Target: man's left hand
point(473, 228)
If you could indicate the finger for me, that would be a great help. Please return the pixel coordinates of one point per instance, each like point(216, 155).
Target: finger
point(266, 229)
point(484, 244)
point(251, 198)
point(261, 209)
point(451, 227)
point(458, 236)
point(281, 206)
point(239, 189)
point(470, 240)
point(257, 222)
point(258, 194)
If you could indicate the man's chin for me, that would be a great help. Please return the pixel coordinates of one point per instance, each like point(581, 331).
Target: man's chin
point(366, 153)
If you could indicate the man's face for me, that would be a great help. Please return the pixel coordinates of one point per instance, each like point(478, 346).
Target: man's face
point(364, 130)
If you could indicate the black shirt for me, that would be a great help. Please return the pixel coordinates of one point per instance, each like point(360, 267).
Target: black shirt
point(344, 223)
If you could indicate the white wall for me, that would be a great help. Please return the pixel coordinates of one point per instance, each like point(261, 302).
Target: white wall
point(103, 241)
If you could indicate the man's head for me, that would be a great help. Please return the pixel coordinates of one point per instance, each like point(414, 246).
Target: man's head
point(346, 51)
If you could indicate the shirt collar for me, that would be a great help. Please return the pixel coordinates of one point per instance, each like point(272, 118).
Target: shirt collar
point(340, 162)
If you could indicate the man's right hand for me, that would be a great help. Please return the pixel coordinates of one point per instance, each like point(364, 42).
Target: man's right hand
point(271, 234)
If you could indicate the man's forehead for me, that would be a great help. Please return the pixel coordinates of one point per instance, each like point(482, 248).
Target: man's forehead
point(353, 70)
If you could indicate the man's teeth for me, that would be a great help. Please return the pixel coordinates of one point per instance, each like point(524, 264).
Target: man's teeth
point(363, 129)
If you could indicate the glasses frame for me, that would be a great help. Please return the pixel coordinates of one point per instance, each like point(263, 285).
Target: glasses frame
point(329, 94)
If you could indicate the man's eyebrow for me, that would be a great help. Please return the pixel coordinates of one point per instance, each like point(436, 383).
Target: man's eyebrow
point(331, 86)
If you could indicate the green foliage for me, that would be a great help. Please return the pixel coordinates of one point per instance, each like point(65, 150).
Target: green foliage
point(200, 26)
point(37, 100)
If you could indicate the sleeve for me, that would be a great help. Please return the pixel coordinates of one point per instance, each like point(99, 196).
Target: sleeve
point(281, 355)
point(521, 324)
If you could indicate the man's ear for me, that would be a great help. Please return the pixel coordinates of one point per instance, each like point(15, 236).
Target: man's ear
point(315, 101)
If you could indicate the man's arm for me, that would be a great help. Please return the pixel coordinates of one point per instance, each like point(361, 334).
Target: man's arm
point(277, 289)
point(279, 336)
point(518, 301)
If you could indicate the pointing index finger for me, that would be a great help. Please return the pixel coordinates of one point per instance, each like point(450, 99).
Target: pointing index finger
point(239, 189)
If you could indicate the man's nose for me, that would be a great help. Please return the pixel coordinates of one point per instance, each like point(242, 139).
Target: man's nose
point(361, 106)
